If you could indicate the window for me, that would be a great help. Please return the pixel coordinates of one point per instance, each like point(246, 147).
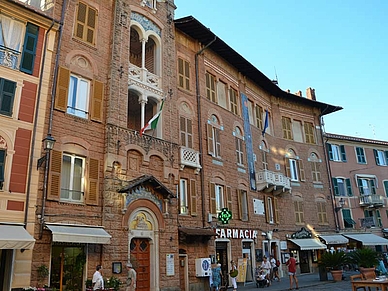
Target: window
point(298, 208)
point(18, 43)
point(360, 155)
point(348, 221)
point(2, 167)
point(187, 197)
point(309, 132)
point(269, 210)
point(286, 125)
point(85, 26)
point(77, 97)
point(342, 187)
point(385, 183)
point(220, 197)
point(294, 167)
point(7, 95)
point(259, 117)
point(243, 204)
point(315, 167)
point(149, 3)
point(210, 87)
point(322, 214)
point(239, 146)
point(233, 96)
point(183, 74)
point(186, 131)
point(72, 178)
point(222, 89)
point(381, 157)
point(297, 133)
point(366, 185)
point(213, 136)
point(264, 155)
point(336, 152)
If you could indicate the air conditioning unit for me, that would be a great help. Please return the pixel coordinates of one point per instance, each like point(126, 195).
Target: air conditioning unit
point(202, 267)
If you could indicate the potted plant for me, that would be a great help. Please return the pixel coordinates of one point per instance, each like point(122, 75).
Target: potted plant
point(333, 262)
point(366, 259)
point(113, 283)
point(43, 273)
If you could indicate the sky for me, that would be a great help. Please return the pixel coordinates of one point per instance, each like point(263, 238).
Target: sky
point(337, 47)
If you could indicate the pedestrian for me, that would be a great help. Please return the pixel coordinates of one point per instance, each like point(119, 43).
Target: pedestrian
point(217, 277)
point(291, 264)
point(275, 268)
point(131, 279)
point(266, 267)
point(211, 277)
point(98, 281)
point(233, 274)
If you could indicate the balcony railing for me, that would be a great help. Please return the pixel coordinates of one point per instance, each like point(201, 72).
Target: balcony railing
point(275, 182)
point(372, 200)
point(9, 58)
point(45, 6)
point(190, 158)
point(142, 76)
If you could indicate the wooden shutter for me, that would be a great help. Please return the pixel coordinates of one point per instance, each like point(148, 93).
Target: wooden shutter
point(29, 48)
point(212, 191)
point(386, 188)
point(329, 151)
point(240, 206)
point(180, 73)
point(343, 153)
point(287, 166)
point(91, 25)
point(189, 125)
point(229, 203)
point(2, 164)
point(210, 139)
point(7, 95)
point(193, 197)
point(54, 192)
point(62, 89)
point(97, 101)
point(217, 141)
point(348, 187)
point(267, 210)
point(360, 187)
point(276, 210)
point(92, 191)
point(386, 157)
point(81, 20)
point(335, 186)
point(301, 170)
point(373, 186)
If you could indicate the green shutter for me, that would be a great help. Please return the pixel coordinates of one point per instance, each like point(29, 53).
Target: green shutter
point(386, 157)
point(386, 187)
point(7, 94)
point(348, 187)
point(360, 187)
point(373, 186)
point(329, 151)
point(343, 153)
point(29, 48)
point(335, 186)
point(2, 165)
point(376, 154)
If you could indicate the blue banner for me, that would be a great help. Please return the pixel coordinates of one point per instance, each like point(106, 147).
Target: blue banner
point(248, 141)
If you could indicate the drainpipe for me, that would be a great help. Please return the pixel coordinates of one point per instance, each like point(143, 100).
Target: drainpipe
point(50, 121)
point(332, 198)
point(35, 126)
point(200, 128)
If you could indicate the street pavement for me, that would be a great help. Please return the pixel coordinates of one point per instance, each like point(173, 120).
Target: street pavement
point(306, 282)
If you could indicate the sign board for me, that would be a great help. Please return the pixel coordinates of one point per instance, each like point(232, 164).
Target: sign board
point(170, 265)
point(242, 270)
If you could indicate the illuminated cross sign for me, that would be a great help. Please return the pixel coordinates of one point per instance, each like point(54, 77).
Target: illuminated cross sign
point(225, 215)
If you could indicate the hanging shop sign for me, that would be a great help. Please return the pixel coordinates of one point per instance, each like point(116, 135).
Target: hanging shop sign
point(236, 233)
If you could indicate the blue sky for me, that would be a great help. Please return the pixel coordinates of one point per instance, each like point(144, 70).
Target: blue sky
point(337, 47)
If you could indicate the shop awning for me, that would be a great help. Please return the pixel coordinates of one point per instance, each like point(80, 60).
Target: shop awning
point(368, 239)
point(197, 231)
point(79, 234)
point(15, 237)
point(309, 244)
point(334, 239)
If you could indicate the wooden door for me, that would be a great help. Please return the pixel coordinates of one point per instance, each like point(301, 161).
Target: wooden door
point(140, 250)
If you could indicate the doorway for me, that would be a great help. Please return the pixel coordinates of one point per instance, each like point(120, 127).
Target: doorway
point(140, 257)
point(222, 258)
point(304, 261)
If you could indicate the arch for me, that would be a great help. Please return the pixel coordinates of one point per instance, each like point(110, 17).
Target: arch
point(185, 106)
point(133, 147)
point(212, 112)
point(82, 62)
point(147, 157)
point(75, 145)
point(143, 204)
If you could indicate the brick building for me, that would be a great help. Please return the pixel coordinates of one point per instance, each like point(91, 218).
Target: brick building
point(25, 67)
point(358, 168)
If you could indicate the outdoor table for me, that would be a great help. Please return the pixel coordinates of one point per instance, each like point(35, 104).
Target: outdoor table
point(382, 284)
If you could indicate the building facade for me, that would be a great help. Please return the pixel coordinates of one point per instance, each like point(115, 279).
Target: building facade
point(359, 176)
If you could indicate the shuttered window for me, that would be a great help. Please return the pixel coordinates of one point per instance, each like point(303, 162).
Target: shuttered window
point(322, 214)
point(298, 208)
point(7, 95)
point(287, 129)
point(243, 204)
point(211, 87)
point(186, 132)
point(309, 132)
point(29, 48)
point(183, 74)
point(85, 27)
point(2, 167)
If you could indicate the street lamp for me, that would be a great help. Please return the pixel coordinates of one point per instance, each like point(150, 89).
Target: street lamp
point(48, 145)
point(341, 204)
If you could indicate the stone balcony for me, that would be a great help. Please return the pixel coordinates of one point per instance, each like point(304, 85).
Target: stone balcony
point(9, 58)
point(373, 200)
point(141, 77)
point(189, 158)
point(45, 6)
point(275, 182)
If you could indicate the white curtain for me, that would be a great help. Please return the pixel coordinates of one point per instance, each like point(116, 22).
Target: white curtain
point(11, 32)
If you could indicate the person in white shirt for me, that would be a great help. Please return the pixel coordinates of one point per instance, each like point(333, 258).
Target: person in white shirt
point(266, 267)
point(98, 281)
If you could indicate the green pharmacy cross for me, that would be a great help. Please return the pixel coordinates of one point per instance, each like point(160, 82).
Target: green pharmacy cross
point(225, 215)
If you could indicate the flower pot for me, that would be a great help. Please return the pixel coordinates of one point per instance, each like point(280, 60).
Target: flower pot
point(368, 273)
point(337, 275)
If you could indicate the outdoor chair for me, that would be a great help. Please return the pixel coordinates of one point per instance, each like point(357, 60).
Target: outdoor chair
point(357, 277)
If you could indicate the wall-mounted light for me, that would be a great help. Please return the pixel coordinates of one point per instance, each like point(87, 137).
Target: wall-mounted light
point(341, 204)
point(48, 145)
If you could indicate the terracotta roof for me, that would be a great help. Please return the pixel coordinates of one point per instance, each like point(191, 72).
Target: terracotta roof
point(355, 139)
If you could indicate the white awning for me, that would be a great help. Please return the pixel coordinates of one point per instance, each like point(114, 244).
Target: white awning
point(368, 239)
point(309, 244)
point(79, 233)
point(334, 239)
point(15, 237)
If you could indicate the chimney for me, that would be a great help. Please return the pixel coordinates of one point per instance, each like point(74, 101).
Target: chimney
point(299, 93)
point(310, 94)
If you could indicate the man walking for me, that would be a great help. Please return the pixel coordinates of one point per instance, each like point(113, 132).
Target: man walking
point(131, 279)
point(98, 281)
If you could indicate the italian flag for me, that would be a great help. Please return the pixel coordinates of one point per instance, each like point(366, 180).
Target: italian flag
point(153, 122)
